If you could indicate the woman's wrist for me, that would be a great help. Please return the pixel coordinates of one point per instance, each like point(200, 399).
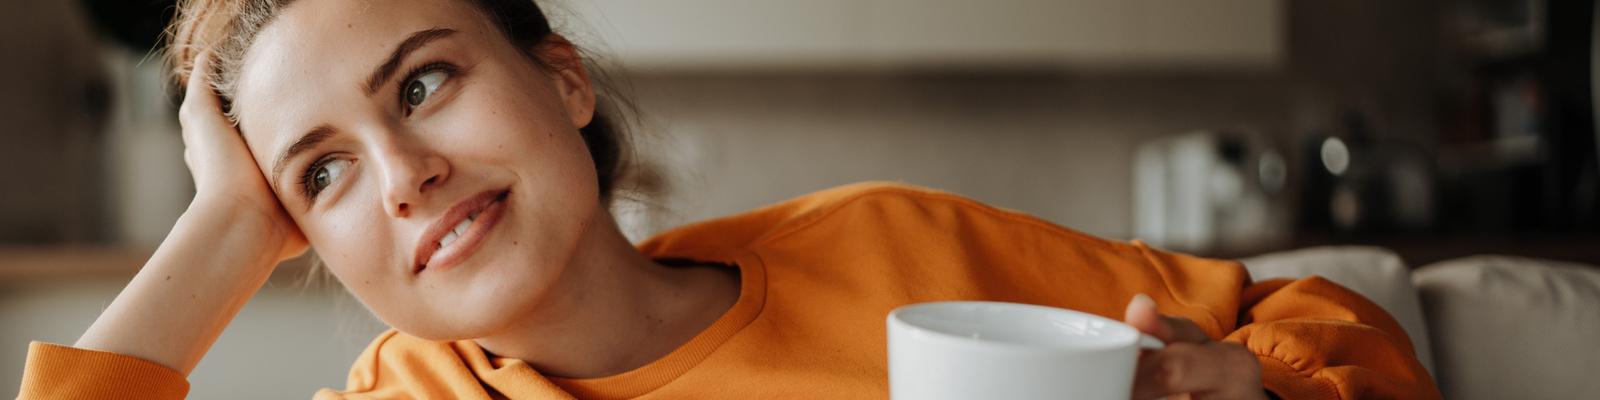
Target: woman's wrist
point(244, 228)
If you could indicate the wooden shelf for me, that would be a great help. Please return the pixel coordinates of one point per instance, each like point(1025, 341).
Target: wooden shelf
point(65, 260)
point(33, 262)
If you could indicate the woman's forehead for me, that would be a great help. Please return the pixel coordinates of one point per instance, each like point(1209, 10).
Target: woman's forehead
point(317, 55)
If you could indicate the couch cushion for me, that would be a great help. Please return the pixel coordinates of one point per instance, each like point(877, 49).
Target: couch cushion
point(1513, 328)
point(1373, 272)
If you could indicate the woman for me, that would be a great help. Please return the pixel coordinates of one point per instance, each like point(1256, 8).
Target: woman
point(449, 162)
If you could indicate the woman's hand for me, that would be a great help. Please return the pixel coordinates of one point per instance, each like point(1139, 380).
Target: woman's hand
point(1191, 365)
point(225, 175)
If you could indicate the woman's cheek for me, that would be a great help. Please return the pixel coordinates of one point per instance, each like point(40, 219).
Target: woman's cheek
point(351, 239)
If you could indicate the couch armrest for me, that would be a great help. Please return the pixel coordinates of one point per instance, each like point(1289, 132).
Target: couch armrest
point(1513, 328)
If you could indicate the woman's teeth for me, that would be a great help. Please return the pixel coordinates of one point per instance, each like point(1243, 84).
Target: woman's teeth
point(459, 230)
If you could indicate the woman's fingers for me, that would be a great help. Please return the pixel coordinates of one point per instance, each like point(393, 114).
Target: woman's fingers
point(1141, 313)
point(197, 77)
point(212, 145)
point(1214, 370)
point(201, 111)
point(199, 103)
point(199, 100)
point(1191, 363)
point(1182, 330)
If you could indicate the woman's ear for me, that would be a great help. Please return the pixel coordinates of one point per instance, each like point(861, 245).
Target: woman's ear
point(570, 77)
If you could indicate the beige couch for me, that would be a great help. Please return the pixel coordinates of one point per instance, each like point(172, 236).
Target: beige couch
point(1487, 327)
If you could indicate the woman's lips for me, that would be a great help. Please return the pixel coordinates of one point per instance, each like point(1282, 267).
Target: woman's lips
point(459, 233)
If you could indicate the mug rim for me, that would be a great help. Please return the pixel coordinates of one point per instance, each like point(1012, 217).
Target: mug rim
point(895, 317)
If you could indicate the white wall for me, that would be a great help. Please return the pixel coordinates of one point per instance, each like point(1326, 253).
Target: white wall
point(1057, 146)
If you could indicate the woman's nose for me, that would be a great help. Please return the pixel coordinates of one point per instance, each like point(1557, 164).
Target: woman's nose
point(410, 171)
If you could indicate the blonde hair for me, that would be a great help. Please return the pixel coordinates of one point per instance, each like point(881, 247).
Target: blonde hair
point(225, 28)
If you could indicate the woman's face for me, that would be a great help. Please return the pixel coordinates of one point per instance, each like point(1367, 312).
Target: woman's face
point(436, 169)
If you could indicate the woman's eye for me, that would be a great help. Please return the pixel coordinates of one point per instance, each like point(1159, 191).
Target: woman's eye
point(324, 174)
point(418, 90)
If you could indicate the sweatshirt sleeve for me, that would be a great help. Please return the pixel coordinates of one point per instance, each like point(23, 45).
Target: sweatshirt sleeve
point(62, 372)
point(1318, 340)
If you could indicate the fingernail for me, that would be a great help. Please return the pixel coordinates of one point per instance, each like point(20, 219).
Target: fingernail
point(1143, 300)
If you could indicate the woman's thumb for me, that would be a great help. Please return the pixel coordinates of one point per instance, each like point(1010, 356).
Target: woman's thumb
point(1141, 313)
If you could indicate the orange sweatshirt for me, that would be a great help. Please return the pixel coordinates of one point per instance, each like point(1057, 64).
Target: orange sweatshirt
point(819, 274)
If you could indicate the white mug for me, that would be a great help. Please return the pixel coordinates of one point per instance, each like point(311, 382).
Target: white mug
point(994, 350)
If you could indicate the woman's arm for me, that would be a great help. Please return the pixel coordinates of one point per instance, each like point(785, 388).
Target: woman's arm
point(217, 256)
point(213, 261)
point(157, 329)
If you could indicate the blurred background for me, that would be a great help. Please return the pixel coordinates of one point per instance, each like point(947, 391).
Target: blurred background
point(1226, 128)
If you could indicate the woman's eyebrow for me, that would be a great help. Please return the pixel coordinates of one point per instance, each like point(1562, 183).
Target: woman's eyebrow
point(412, 43)
point(305, 142)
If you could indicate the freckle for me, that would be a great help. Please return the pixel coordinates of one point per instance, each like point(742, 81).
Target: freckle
point(192, 296)
point(169, 277)
point(366, 282)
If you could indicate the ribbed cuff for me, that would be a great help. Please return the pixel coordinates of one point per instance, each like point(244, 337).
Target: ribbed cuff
point(1286, 382)
point(63, 372)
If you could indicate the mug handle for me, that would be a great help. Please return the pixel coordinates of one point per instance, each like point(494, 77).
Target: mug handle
point(1148, 342)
